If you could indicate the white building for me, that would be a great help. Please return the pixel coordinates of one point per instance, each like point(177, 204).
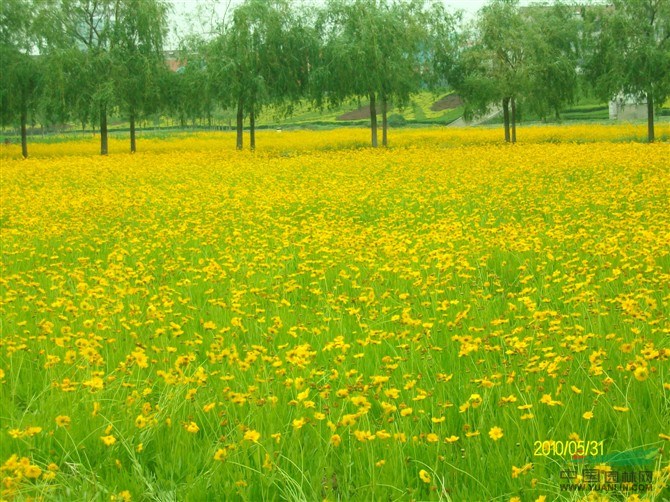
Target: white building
point(627, 108)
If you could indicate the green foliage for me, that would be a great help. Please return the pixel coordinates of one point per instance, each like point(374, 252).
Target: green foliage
point(553, 33)
point(525, 57)
point(20, 72)
point(261, 58)
point(629, 51)
point(137, 48)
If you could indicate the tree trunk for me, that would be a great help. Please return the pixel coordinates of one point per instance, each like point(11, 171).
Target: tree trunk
point(252, 128)
point(240, 124)
point(505, 105)
point(513, 120)
point(24, 133)
point(103, 130)
point(650, 118)
point(373, 119)
point(385, 123)
point(133, 147)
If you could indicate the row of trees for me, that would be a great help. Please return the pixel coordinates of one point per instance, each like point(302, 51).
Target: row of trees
point(80, 60)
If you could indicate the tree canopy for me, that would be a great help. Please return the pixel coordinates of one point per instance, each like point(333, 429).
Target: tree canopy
point(80, 61)
point(21, 74)
point(629, 52)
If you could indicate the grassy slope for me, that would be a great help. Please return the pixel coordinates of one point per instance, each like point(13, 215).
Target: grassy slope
point(417, 112)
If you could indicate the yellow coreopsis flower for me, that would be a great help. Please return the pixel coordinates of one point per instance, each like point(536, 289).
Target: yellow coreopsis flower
point(496, 433)
point(108, 440)
point(299, 422)
point(191, 427)
point(63, 421)
point(252, 435)
point(641, 373)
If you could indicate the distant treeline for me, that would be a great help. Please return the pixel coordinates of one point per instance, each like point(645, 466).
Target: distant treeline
point(79, 61)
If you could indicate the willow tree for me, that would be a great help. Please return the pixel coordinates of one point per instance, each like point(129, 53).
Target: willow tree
point(138, 34)
point(80, 42)
point(190, 91)
point(260, 58)
point(630, 53)
point(553, 35)
point(20, 71)
point(372, 49)
point(495, 65)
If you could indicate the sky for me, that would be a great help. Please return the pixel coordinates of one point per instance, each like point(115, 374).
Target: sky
point(195, 16)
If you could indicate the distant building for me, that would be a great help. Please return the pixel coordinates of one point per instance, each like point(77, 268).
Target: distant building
point(627, 108)
point(172, 60)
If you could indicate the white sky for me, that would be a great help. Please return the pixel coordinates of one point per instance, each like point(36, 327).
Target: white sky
point(195, 16)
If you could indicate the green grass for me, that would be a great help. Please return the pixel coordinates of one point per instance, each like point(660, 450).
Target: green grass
point(450, 270)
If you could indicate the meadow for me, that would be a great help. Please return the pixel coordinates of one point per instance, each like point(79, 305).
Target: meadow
point(319, 320)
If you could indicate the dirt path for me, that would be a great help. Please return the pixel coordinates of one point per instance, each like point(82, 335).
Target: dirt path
point(460, 122)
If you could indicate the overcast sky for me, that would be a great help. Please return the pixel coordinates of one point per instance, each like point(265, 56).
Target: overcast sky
point(195, 16)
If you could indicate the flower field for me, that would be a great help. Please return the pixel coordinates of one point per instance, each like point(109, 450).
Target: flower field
point(321, 321)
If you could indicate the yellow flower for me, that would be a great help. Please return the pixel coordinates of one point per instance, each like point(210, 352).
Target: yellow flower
point(432, 438)
point(364, 435)
point(496, 433)
point(335, 439)
point(451, 439)
point(191, 427)
point(108, 440)
point(588, 415)
point(252, 436)
point(267, 462)
point(425, 477)
point(641, 373)
point(406, 411)
point(32, 431)
point(95, 383)
point(32, 472)
point(49, 476)
point(63, 421)
point(299, 422)
point(517, 471)
point(220, 454)
point(125, 496)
